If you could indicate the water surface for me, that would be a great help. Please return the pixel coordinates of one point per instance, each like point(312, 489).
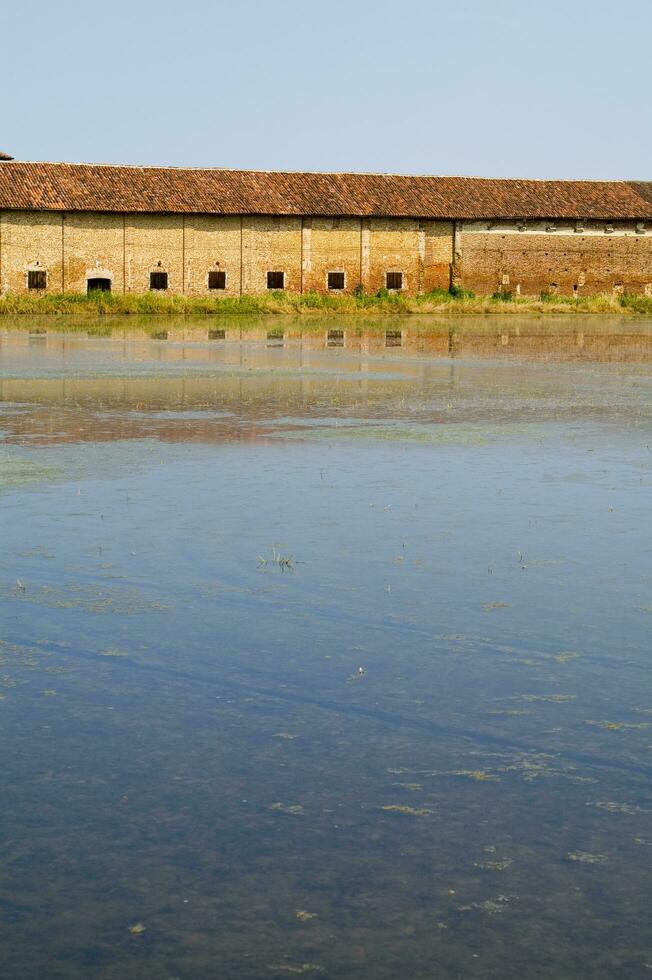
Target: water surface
point(326, 655)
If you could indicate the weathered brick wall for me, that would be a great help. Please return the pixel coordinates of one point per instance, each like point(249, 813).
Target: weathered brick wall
point(437, 254)
point(271, 245)
point(212, 243)
point(92, 247)
point(394, 246)
point(590, 261)
point(331, 245)
point(30, 240)
point(126, 249)
point(153, 243)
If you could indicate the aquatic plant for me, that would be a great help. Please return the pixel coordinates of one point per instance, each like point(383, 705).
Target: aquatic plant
point(283, 561)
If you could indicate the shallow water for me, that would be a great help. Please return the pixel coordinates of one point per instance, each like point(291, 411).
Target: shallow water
point(205, 540)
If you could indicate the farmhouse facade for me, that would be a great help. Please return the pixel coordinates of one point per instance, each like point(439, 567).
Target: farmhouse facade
point(78, 227)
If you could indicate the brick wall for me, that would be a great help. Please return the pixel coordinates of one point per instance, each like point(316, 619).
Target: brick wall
point(212, 243)
point(73, 247)
point(30, 240)
point(564, 260)
point(153, 243)
point(92, 247)
point(394, 246)
point(437, 254)
point(271, 245)
point(331, 245)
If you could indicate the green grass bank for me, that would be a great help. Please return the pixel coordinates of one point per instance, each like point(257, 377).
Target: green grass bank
point(383, 303)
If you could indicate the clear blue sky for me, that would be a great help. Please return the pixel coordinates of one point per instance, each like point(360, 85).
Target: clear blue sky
point(502, 88)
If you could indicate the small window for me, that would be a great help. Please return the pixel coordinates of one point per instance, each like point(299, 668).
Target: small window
point(336, 280)
point(276, 280)
point(98, 285)
point(37, 279)
point(158, 280)
point(217, 279)
point(394, 280)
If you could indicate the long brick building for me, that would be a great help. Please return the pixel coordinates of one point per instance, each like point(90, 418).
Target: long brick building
point(74, 227)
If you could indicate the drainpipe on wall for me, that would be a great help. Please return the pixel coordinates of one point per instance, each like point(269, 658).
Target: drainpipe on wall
point(422, 257)
point(63, 253)
point(241, 253)
point(456, 264)
point(183, 253)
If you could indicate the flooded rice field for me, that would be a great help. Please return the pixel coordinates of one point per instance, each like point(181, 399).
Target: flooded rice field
point(325, 649)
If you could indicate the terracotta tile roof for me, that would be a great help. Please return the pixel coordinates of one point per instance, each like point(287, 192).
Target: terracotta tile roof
point(643, 188)
point(89, 187)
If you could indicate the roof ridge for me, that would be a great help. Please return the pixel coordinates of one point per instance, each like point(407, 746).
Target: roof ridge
point(322, 173)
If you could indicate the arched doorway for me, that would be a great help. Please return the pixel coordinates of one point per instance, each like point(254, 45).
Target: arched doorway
point(98, 284)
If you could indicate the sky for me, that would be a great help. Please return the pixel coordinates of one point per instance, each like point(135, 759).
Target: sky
point(501, 88)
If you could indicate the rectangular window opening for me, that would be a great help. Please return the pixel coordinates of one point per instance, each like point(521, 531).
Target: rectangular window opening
point(276, 280)
point(217, 279)
point(158, 280)
point(37, 279)
point(336, 280)
point(394, 280)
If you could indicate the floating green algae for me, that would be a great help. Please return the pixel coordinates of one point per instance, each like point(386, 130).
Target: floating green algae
point(409, 811)
point(296, 809)
point(97, 599)
point(490, 906)
point(586, 857)
point(618, 726)
point(18, 469)
point(295, 967)
point(612, 807)
point(498, 865)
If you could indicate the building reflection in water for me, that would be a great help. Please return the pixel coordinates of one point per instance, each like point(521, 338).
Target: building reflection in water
point(247, 380)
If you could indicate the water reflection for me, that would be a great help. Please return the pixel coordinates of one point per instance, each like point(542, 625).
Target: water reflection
point(591, 338)
point(326, 662)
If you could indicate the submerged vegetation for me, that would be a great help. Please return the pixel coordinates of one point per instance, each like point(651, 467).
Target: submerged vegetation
point(439, 301)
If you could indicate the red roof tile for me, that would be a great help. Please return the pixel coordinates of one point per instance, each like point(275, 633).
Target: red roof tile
point(643, 188)
point(89, 187)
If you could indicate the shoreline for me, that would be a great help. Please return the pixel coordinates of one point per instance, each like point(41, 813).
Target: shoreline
point(313, 304)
